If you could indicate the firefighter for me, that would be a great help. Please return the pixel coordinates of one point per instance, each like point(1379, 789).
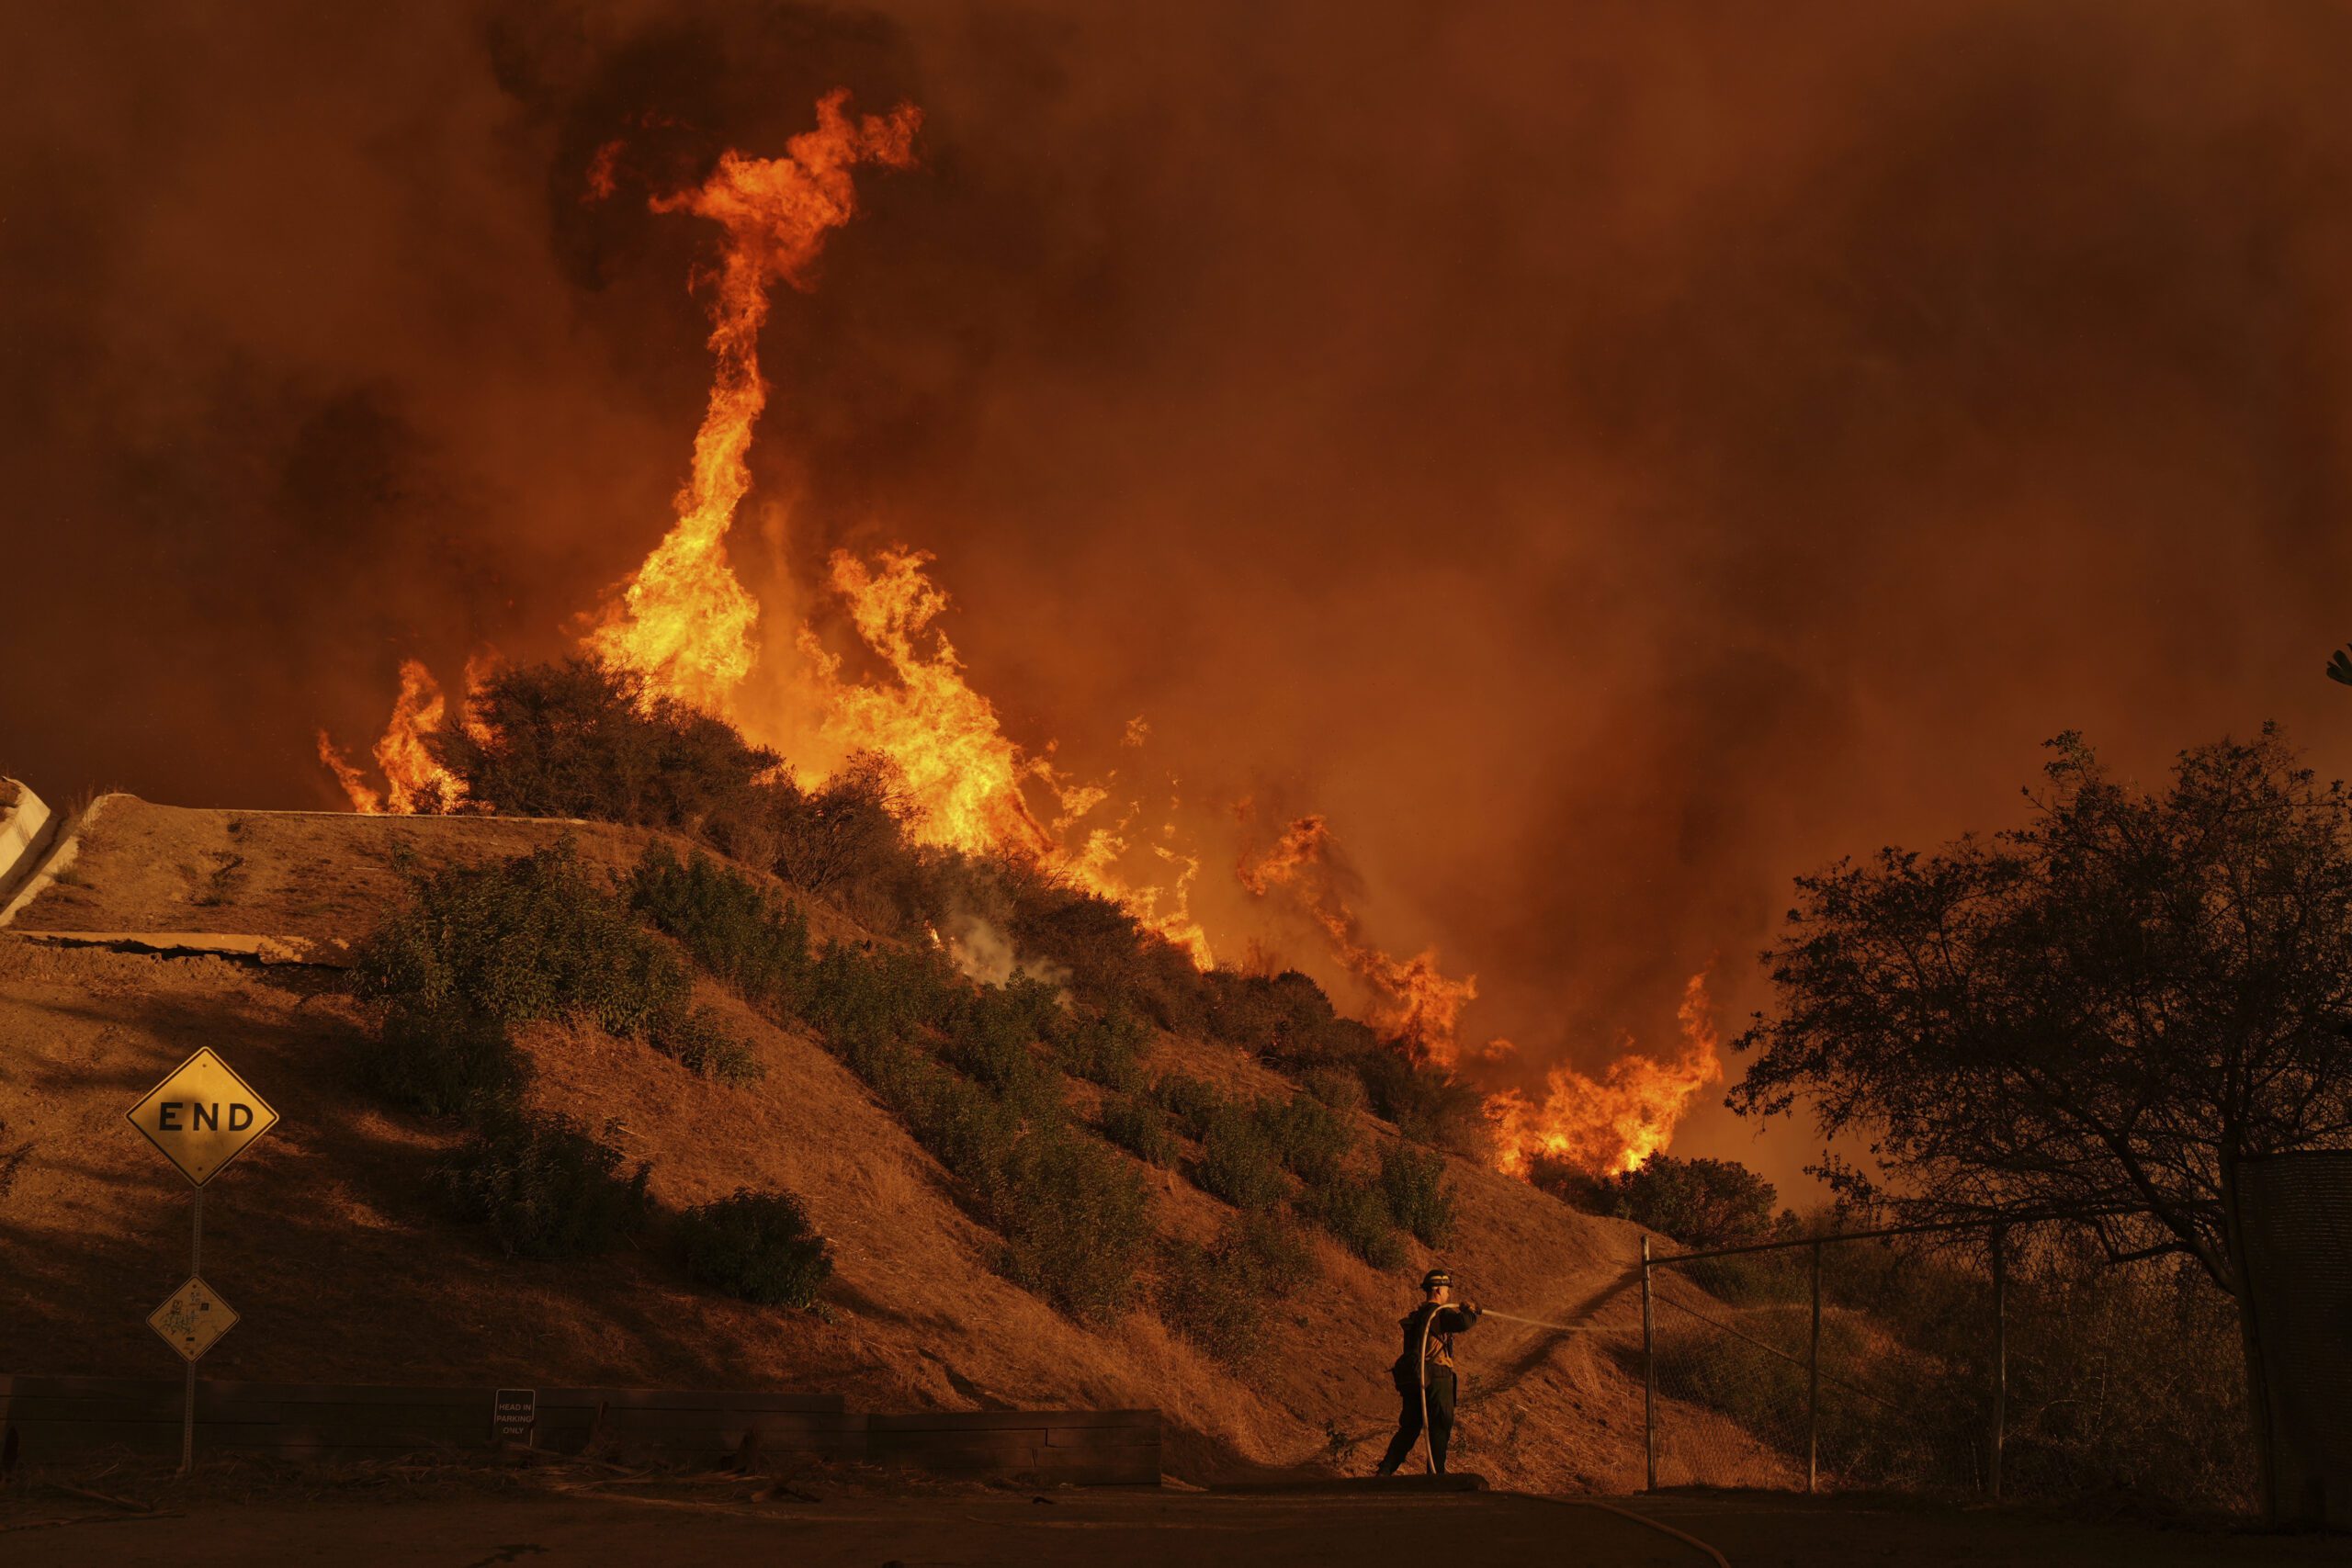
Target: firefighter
point(1424, 1371)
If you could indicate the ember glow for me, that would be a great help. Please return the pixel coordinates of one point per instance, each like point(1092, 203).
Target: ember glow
point(686, 623)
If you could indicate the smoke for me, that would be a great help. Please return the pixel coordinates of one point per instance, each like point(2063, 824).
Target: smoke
point(1601, 459)
point(981, 951)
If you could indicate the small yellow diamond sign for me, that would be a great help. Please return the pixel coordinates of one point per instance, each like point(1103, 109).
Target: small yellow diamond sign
point(193, 1320)
point(202, 1116)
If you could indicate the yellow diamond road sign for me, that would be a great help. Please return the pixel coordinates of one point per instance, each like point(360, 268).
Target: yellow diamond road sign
point(193, 1320)
point(202, 1116)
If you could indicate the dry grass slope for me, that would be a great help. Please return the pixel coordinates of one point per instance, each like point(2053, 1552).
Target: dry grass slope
point(328, 1239)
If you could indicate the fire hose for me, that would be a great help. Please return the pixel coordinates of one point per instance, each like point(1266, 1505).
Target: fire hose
point(1429, 1439)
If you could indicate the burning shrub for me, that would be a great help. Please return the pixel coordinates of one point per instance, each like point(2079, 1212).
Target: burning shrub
point(1192, 1101)
point(580, 738)
point(736, 928)
point(448, 1061)
point(1355, 1212)
point(527, 938)
point(1139, 1126)
point(1217, 1295)
point(1103, 1045)
point(757, 1246)
point(1114, 961)
point(1419, 1198)
point(547, 1188)
point(704, 1046)
point(1308, 1137)
point(1237, 1161)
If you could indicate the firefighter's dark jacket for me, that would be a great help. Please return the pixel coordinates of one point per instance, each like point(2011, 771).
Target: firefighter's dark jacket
point(1450, 1321)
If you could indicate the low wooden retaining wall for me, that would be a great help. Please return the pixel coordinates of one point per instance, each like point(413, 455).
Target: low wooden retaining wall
point(55, 1418)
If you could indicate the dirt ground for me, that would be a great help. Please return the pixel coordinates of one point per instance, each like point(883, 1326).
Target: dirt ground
point(969, 1525)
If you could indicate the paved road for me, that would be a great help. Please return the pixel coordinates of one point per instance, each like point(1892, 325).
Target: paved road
point(1124, 1529)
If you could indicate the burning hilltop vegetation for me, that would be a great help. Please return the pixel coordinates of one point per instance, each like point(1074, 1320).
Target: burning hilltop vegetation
point(816, 756)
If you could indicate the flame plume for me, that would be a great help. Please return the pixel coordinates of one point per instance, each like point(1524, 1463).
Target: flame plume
point(685, 622)
point(1414, 1000)
point(413, 781)
point(962, 773)
point(1610, 1126)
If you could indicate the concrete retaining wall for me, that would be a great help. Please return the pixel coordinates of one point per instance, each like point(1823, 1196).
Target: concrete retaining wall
point(53, 1419)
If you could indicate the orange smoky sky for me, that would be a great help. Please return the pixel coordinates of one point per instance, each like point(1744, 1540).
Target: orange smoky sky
point(1603, 458)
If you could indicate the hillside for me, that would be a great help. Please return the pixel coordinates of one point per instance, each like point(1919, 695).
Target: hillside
point(330, 1241)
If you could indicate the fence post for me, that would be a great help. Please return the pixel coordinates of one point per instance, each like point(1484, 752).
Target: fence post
point(1813, 1383)
point(188, 1410)
point(2000, 1361)
point(1649, 1378)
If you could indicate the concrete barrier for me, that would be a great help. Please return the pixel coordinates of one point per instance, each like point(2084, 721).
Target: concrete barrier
point(26, 831)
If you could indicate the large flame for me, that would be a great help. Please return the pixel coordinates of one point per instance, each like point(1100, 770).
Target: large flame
point(685, 622)
point(1611, 1124)
point(962, 773)
point(687, 626)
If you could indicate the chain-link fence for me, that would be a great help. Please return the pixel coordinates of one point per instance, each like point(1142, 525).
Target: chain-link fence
point(1940, 1360)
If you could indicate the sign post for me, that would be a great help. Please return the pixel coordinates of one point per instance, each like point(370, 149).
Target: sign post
point(200, 1117)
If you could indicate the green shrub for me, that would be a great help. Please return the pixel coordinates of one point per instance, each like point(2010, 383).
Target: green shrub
point(1419, 1198)
point(1427, 1104)
point(970, 1131)
point(1307, 1136)
point(1237, 1161)
point(862, 994)
point(1701, 1203)
point(990, 1031)
point(734, 927)
point(529, 938)
point(1193, 1102)
point(757, 1246)
point(1141, 1126)
point(1077, 1223)
point(445, 1061)
point(546, 1187)
point(1218, 1295)
point(704, 1046)
point(1354, 1212)
point(1103, 1045)
point(1286, 1018)
point(1339, 1088)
